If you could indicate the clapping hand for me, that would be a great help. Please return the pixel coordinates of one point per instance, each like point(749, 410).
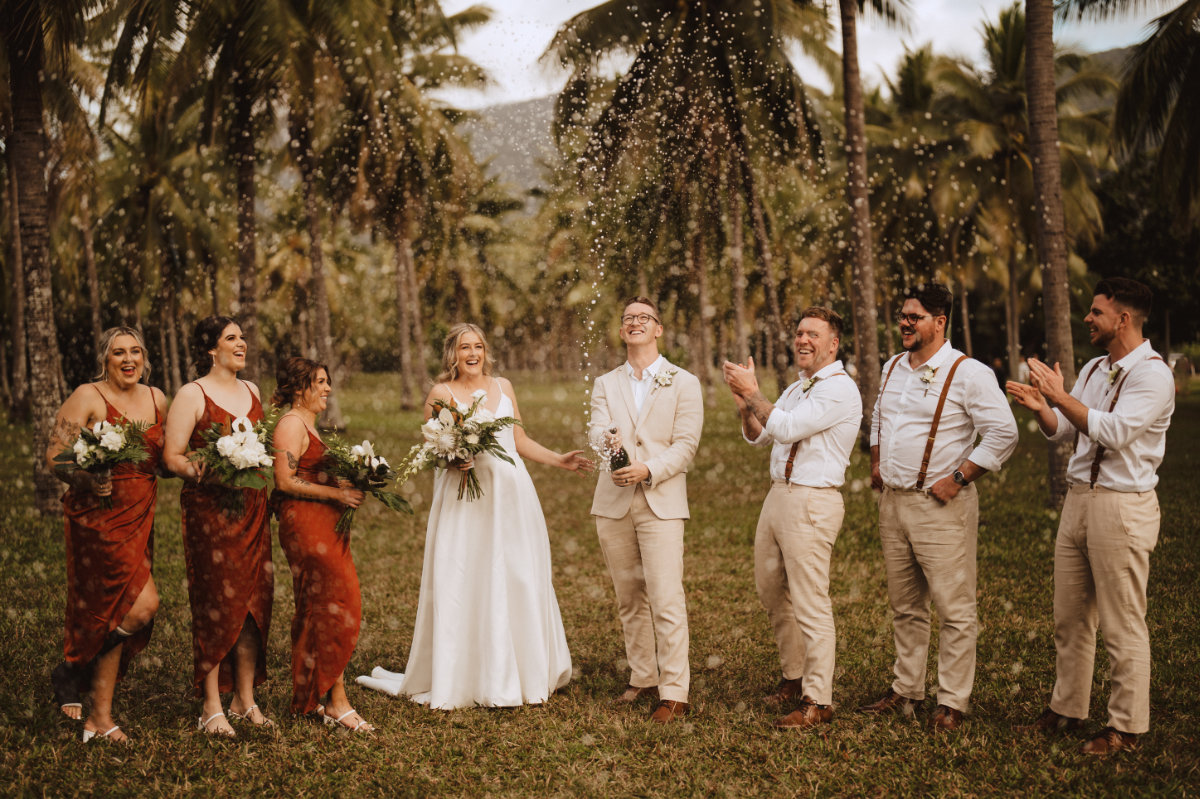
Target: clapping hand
point(741, 380)
point(1047, 381)
point(1025, 395)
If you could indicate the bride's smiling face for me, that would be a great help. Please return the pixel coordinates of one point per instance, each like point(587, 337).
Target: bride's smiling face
point(471, 354)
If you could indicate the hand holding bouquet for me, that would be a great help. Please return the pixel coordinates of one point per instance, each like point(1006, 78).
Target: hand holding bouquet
point(363, 469)
point(453, 437)
point(102, 446)
point(239, 455)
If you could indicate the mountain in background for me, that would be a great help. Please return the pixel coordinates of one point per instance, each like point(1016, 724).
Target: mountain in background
point(514, 141)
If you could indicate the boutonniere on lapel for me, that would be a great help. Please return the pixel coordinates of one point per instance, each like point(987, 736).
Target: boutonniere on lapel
point(927, 378)
point(1113, 374)
point(665, 379)
point(808, 383)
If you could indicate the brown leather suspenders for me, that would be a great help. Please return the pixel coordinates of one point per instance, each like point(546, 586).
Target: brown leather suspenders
point(1100, 447)
point(787, 470)
point(937, 417)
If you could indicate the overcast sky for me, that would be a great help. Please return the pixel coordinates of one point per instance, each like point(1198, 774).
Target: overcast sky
point(510, 45)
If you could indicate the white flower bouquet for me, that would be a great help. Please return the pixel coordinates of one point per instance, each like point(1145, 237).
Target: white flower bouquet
point(238, 455)
point(454, 436)
point(362, 468)
point(102, 446)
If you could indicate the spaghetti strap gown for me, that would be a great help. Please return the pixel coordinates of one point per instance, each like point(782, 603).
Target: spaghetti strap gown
point(328, 603)
point(488, 630)
point(228, 557)
point(110, 552)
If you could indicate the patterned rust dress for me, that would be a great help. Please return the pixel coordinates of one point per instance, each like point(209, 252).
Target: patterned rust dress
point(228, 556)
point(110, 551)
point(328, 602)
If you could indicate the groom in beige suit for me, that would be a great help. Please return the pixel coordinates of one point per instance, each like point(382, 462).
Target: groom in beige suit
point(658, 412)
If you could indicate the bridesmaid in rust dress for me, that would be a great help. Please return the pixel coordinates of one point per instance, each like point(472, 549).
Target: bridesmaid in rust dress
point(309, 501)
point(111, 596)
point(227, 552)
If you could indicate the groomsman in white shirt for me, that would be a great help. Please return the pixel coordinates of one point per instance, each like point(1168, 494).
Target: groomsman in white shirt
point(933, 404)
point(811, 430)
point(1120, 409)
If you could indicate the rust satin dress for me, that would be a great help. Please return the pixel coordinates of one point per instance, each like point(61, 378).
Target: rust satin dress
point(328, 602)
point(228, 556)
point(109, 552)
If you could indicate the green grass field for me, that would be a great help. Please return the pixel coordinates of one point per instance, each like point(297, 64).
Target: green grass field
point(578, 744)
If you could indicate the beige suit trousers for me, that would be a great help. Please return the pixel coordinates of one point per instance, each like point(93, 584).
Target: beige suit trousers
point(1101, 567)
point(929, 552)
point(645, 558)
point(792, 549)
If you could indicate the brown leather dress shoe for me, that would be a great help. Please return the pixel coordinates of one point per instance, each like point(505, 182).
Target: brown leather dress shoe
point(945, 719)
point(1050, 722)
point(1110, 740)
point(809, 714)
point(785, 692)
point(892, 702)
point(632, 693)
point(668, 711)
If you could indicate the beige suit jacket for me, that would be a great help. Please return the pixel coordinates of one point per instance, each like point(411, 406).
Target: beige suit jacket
point(664, 436)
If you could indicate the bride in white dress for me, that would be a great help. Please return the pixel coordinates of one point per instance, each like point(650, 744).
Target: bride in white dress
point(488, 630)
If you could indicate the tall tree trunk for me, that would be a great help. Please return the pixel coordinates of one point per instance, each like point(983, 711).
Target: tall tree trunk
point(306, 159)
point(242, 149)
point(178, 371)
point(863, 302)
point(696, 264)
point(737, 263)
point(964, 312)
point(23, 41)
point(89, 260)
point(409, 388)
point(777, 335)
point(20, 366)
point(1051, 237)
point(1012, 321)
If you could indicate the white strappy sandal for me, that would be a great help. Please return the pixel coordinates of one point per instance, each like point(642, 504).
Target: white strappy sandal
point(266, 722)
point(90, 734)
point(202, 725)
point(362, 726)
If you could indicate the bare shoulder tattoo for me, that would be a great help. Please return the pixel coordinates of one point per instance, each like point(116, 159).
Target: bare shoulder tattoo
point(293, 463)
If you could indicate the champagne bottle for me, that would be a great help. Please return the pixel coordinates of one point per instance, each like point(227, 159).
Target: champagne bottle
point(620, 458)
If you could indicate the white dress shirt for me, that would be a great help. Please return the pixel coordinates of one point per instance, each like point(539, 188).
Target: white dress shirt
point(825, 419)
point(1134, 434)
point(974, 407)
point(641, 388)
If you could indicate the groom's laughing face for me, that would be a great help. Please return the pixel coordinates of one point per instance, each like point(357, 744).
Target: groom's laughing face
point(815, 345)
point(639, 324)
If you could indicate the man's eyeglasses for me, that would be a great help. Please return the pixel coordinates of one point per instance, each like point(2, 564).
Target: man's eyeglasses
point(640, 318)
point(911, 318)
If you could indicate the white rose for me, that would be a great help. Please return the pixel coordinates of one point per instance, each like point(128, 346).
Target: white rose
point(226, 446)
point(98, 427)
point(472, 439)
point(112, 440)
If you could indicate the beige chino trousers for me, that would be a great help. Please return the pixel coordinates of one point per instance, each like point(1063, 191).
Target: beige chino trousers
point(1101, 568)
point(929, 552)
point(792, 549)
point(645, 559)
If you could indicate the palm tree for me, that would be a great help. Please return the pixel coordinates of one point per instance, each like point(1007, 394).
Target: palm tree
point(1162, 71)
point(238, 50)
point(25, 47)
point(864, 302)
point(709, 90)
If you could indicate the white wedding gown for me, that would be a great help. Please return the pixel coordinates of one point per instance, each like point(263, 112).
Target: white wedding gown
point(488, 630)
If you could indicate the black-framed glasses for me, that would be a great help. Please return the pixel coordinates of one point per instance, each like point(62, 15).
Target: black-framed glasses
point(640, 318)
point(911, 318)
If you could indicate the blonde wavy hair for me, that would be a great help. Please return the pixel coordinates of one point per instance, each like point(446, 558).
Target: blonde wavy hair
point(105, 344)
point(450, 351)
